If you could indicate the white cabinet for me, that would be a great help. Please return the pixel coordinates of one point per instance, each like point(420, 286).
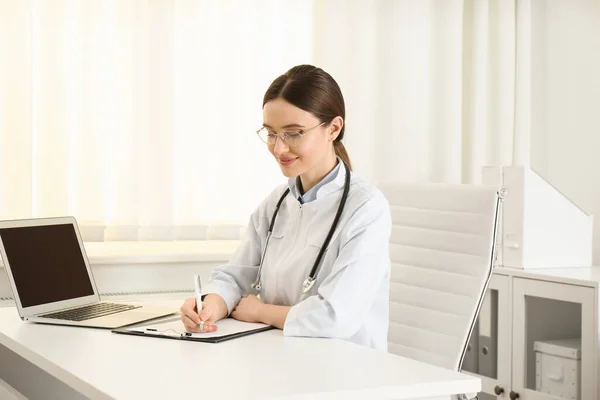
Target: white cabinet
point(545, 310)
point(523, 308)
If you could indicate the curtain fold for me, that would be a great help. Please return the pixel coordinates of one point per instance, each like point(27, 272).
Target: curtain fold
point(138, 117)
point(430, 85)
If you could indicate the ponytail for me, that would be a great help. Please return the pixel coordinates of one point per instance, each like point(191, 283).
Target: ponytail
point(341, 152)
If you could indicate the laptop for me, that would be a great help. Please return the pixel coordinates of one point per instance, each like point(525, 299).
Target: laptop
point(51, 279)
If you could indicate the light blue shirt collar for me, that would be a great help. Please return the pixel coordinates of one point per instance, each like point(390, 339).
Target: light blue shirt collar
point(312, 193)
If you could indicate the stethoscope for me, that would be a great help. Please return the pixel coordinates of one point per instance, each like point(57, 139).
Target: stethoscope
point(310, 281)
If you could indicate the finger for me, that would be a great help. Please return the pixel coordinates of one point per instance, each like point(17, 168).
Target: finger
point(193, 316)
point(187, 321)
point(188, 311)
point(189, 305)
point(189, 325)
point(205, 314)
point(202, 328)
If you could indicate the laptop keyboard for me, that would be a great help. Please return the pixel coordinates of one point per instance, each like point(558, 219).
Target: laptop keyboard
point(89, 312)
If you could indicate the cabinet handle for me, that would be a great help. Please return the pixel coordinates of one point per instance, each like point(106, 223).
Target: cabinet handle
point(556, 378)
point(513, 395)
point(498, 390)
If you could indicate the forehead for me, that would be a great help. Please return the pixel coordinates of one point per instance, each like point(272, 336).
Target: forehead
point(279, 113)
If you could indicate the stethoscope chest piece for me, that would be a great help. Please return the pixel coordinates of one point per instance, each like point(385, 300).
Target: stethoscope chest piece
point(307, 285)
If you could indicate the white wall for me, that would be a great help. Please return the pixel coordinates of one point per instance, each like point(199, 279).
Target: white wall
point(565, 92)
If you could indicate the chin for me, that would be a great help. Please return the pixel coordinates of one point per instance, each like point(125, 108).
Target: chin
point(289, 172)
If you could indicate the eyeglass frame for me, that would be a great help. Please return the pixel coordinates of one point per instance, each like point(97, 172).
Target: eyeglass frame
point(284, 137)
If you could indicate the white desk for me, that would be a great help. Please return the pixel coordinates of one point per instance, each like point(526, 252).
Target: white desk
point(100, 364)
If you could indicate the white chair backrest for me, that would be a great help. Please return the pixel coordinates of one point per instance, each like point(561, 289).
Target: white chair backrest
point(442, 248)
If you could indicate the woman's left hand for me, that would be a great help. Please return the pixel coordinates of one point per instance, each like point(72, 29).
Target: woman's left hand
point(248, 309)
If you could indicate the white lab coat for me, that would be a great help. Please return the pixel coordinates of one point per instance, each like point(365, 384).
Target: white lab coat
point(350, 298)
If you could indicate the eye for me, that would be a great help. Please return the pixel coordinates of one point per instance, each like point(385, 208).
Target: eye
point(293, 135)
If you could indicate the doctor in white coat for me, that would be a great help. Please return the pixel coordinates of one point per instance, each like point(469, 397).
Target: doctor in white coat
point(286, 273)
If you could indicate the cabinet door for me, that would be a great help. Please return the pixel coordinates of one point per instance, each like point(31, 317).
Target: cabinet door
point(548, 311)
point(488, 356)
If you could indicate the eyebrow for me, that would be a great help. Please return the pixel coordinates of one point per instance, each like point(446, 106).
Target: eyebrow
point(286, 126)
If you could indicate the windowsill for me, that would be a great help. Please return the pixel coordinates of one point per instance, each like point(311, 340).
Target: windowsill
point(183, 251)
point(103, 253)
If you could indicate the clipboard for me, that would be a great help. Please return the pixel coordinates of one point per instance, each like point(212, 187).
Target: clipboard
point(227, 329)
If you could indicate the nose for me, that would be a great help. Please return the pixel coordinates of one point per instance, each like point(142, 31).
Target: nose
point(280, 146)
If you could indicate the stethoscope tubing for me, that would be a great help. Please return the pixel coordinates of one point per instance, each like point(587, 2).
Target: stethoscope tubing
point(309, 282)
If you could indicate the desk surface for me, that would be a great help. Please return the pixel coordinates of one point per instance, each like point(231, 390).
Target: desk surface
point(100, 364)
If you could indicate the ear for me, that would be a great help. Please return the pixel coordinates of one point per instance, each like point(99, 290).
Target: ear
point(335, 127)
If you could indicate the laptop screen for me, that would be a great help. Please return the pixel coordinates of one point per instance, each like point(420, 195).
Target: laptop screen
point(46, 263)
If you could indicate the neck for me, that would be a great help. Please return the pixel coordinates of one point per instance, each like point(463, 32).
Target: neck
point(310, 178)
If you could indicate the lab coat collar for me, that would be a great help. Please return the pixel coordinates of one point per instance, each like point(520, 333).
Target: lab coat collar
point(331, 187)
point(336, 184)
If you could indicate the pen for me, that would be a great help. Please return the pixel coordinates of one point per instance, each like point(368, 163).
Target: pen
point(155, 332)
point(198, 291)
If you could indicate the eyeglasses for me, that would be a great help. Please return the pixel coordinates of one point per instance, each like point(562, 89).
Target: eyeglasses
point(268, 136)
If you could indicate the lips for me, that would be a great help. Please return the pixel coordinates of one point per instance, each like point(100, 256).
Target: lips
point(286, 162)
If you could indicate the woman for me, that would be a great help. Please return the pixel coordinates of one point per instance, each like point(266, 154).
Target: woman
point(303, 114)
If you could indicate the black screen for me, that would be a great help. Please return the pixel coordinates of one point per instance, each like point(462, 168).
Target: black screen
point(47, 263)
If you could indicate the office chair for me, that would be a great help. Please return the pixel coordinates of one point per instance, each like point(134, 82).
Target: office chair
point(442, 249)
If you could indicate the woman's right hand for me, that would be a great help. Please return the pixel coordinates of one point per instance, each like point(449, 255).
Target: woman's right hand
point(213, 309)
point(192, 321)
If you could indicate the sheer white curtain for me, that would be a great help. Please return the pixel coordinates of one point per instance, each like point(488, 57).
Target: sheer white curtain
point(430, 85)
point(139, 115)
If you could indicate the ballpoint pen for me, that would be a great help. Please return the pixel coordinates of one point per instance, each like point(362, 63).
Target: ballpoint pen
point(198, 292)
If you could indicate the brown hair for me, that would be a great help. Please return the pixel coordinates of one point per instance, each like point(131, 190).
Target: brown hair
point(314, 90)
